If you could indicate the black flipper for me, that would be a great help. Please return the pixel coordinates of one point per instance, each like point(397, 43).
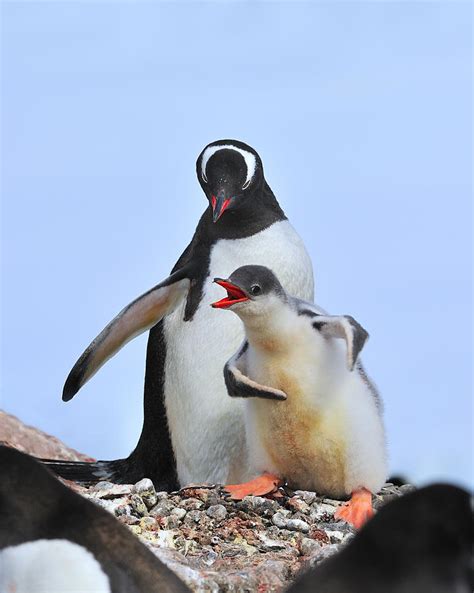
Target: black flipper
point(239, 385)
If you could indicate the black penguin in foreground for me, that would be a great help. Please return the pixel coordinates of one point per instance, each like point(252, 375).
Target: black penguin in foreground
point(193, 432)
point(54, 540)
point(419, 543)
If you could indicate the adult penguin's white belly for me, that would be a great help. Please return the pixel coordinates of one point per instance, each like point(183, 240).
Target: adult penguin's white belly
point(206, 425)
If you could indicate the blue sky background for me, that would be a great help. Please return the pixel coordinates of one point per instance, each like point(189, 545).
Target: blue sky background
point(362, 115)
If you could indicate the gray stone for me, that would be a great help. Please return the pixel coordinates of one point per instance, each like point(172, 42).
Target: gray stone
point(123, 510)
point(217, 512)
point(308, 497)
point(297, 525)
point(148, 523)
point(163, 508)
point(170, 522)
point(147, 492)
point(179, 513)
point(309, 546)
point(107, 490)
point(193, 517)
point(138, 505)
point(262, 506)
point(210, 557)
point(280, 520)
point(322, 512)
point(192, 504)
point(270, 544)
point(110, 505)
point(380, 501)
point(336, 536)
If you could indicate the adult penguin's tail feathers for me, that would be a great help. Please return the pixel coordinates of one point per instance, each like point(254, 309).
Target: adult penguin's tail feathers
point(118, 471)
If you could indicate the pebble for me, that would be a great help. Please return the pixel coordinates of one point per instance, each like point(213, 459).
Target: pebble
point(262, 506)
point(336, 537)
point(279, 520)
point(163, 508)
point(147, 492)
point(170, 522)
point(322, 512)
point(270, 544)
point(192, 504)
point(215, 544)
point(193, 517)
point(297, 525)
point(108, 490)
point(148, 523)
point(179, 513)
point(217, 512)
point(138, 505)
point(308, 497)
point(129, 520)
point(299, 505)
point(309, 546)
point(210, 557)
point(380, 501)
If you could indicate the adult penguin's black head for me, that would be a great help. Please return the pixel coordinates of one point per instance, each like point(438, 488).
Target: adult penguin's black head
point(229, 172)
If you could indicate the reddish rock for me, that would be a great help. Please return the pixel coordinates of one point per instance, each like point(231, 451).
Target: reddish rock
point(34, 441)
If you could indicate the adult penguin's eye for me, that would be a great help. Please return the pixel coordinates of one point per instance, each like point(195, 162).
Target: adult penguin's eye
point(255, 289)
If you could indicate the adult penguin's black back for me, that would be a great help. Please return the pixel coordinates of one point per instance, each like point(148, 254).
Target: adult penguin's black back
point(419, 543)
point(192, 431)
point(49, 535)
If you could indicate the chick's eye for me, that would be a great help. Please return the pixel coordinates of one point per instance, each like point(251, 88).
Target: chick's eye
point(255, 289)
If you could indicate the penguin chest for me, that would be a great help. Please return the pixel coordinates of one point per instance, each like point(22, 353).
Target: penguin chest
point(301, 439)
point(51, 565)
point(206, 425)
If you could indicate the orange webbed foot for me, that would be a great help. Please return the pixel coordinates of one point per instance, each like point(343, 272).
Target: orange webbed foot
point(358, 510)
point(264, 484)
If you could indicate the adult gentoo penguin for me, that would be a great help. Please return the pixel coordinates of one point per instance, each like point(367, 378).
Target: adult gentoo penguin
point(187, 414)
point(419, 543)
point(54, 540)
point(312, 417)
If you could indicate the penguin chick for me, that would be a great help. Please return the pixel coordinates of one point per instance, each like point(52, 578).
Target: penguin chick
point(323, 431)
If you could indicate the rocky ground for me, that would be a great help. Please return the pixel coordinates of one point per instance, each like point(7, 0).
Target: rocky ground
point(215, 544)
point(212, 543)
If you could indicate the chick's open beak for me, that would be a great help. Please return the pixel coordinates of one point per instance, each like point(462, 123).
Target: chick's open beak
point(234, 294)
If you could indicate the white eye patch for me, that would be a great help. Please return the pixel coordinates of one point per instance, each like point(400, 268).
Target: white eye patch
point(249, 158)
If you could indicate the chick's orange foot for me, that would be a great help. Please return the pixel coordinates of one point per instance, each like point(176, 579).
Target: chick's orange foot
point(358, 510)
point(264, 484)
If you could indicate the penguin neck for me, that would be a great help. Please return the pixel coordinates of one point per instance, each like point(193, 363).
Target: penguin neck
point(271, 331)
point(258, 212)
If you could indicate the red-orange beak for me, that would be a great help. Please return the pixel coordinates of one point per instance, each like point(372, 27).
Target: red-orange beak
point(219, 205)
point(234, 294)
